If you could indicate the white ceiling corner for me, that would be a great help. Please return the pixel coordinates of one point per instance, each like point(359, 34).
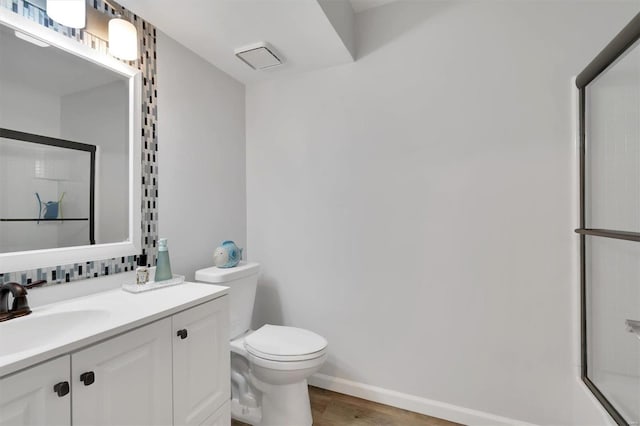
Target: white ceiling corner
point(362, 5)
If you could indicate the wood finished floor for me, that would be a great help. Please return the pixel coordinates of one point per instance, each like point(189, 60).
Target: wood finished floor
point(335, 409)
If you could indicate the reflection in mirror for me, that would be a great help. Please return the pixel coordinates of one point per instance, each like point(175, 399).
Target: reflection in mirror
point(62, 175)
point(48, 198)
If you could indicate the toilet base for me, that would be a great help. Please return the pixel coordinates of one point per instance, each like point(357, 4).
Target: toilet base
point(248, 415)
point(285, 405)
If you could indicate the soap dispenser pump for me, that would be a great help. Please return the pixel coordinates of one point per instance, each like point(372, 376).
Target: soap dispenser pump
point(163, 266)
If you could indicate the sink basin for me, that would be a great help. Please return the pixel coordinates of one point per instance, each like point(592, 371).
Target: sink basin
point(43, 329)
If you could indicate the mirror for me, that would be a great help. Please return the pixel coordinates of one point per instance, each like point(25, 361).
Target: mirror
point(69, 150)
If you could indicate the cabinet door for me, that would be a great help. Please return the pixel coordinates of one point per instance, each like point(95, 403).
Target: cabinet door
point(201, 377)
point(125, 380)
point(29, 398)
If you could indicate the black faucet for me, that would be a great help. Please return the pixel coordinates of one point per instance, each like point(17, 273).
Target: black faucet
point(20, 306)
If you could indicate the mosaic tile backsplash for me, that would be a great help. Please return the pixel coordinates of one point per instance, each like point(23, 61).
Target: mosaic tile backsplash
point(146, 63)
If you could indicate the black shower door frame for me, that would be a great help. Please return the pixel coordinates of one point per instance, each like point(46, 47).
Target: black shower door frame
point(63, 143)
point(622, 42)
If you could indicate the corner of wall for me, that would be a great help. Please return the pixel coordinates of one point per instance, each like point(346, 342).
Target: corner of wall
point(342, 18)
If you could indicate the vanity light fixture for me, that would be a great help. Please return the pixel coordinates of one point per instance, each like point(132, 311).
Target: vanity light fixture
point(70, 13)
point(30, 39)
point(123, 39)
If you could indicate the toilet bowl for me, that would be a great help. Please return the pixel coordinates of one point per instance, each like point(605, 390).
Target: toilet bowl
point(269, 366)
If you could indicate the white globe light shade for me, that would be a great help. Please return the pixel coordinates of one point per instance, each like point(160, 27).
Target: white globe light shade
point(123, 39)
point(70, 13)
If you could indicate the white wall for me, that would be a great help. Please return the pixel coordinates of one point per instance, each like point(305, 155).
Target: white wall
point(201, 155)
point(99, 116)
point(416, 207)
point(29, 110)
point(20, 163)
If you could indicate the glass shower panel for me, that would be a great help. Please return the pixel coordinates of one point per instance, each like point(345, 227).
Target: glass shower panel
point(613, 304)
point(32, 175)
point(613, 148)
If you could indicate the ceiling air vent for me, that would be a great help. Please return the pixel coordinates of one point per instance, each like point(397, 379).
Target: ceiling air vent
point(259, 56)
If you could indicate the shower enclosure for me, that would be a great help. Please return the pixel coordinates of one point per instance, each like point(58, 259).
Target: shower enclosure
point(609, 121)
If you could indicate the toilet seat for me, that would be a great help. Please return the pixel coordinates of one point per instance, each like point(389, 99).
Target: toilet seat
point(285, 344)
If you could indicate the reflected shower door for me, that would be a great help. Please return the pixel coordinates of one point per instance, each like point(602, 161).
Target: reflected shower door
point(610, 228)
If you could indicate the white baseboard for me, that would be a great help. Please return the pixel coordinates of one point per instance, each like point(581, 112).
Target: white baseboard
point(405, 401)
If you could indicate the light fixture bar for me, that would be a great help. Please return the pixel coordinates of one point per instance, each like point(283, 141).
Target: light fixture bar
point(30, 39)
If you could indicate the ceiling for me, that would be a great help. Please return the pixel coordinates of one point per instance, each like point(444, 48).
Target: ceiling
point(47, 68)
point(361, 5)
point(299, 30)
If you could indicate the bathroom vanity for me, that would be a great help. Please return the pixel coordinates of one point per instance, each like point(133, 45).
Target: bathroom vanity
point(110, 357)
point(157, 358)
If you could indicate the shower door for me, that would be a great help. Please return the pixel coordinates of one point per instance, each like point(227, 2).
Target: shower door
point(609, 99)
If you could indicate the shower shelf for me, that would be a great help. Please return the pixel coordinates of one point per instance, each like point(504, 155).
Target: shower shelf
point(44, 220)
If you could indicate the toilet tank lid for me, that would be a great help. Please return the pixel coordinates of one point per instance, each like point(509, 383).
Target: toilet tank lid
point(223, 275)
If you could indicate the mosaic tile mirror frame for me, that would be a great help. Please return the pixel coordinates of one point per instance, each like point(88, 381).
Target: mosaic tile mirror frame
point(146, 63)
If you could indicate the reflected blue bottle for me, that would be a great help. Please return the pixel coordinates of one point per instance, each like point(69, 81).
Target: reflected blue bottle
point(163, 266)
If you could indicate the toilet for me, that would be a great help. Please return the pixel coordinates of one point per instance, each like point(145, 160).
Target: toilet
point(269, 366)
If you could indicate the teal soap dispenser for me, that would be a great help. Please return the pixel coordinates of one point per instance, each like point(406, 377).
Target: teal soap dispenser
point(163, 266)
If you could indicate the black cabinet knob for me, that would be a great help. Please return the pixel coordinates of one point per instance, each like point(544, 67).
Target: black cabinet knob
point(88, 378)
point(61, 388)
point(182, 333)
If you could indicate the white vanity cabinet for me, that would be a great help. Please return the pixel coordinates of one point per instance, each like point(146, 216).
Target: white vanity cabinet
point(222, 416)
point(125, 380)
point(174, 370)
point(202, 340)
point(29, 398)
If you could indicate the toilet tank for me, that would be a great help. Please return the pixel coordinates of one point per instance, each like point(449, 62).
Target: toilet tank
point(242, 281)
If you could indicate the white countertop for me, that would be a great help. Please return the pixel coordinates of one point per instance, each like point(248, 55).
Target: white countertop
point(63, 327)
